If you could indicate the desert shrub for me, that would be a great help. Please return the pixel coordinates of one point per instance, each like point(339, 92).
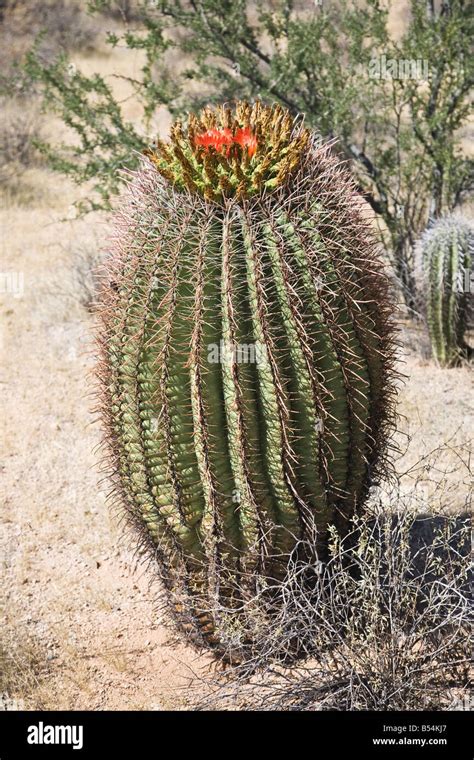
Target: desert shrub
point(19, 128)
point(123, 10)
point(386, 624)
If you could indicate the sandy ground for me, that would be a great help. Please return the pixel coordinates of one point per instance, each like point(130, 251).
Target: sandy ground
point(81, 626)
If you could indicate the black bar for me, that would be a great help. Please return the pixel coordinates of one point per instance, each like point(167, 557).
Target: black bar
point(220, 734)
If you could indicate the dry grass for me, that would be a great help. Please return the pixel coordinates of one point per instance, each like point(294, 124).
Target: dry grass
point(23, 662)
point(23, 658)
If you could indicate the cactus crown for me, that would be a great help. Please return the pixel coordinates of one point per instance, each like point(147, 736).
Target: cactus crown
point(232, 152)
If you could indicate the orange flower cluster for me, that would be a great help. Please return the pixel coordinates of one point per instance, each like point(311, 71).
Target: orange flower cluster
point(223, 139)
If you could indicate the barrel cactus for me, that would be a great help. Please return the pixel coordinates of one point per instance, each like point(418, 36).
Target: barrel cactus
point(246, 368)
point(447, 251)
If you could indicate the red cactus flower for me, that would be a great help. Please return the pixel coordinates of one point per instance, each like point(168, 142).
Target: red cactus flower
point(246, 139)
point(215, 138)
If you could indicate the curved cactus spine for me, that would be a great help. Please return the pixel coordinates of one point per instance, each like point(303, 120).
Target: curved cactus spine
point(447, 251)
point(247, 350)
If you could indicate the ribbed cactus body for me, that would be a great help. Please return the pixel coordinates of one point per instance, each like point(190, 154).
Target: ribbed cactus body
point(447, 250)
point(246, 375)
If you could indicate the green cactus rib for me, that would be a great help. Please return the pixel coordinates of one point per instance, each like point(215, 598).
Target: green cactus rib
point(246, 380)
point(356, 341)
point(300, 367)
point(446, 256)
point(124, 356)
point(212, 447)
point(273, 397)
point(240, 398)
point(345, 437)
point(327, 368)
point(159, 434)
point(435, 306)
point(454, 266)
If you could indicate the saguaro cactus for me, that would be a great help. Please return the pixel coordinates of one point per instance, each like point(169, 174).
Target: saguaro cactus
point(247, 351)
point(447, 250)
